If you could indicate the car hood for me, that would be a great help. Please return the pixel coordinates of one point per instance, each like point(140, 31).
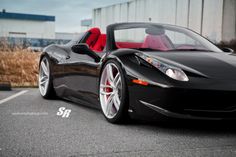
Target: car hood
point(205, 64)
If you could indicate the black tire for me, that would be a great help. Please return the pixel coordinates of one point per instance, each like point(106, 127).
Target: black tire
point(50, 92)
point(122, 114)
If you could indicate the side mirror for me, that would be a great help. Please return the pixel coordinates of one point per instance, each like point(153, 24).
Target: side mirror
point(227, 50)
point(80, 48)
point(84, 49)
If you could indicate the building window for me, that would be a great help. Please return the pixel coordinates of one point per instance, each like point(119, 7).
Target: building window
point(17, 34)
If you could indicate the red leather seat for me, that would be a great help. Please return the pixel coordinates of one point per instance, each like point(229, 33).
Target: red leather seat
point(157, 42)
point(96, 41)
point(100, 43)
point(93, 37)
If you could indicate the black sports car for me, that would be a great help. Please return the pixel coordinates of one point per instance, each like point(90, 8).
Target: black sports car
point(142, 70)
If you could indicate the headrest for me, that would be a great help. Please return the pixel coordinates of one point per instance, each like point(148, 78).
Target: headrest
point(95, 30)
point(93, 36)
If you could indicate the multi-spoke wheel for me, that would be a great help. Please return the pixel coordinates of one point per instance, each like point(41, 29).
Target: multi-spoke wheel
point(112, 92)
point(45, 83)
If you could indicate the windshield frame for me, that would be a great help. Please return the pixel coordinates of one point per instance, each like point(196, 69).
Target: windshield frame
point(111, 43)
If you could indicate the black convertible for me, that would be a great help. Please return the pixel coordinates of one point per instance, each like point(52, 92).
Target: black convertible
point(142, 70)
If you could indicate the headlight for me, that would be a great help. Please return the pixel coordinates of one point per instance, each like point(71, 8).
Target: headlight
point(172, 72)
point(177, 74)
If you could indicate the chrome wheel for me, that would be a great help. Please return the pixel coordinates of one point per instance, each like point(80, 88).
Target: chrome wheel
point(110, 90)
point(44, 74)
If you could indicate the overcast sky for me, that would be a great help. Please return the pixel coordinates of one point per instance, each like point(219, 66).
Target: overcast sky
point(68, 13)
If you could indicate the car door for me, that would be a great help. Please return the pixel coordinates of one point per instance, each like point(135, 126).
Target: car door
point(82, 76)
point(58, 57)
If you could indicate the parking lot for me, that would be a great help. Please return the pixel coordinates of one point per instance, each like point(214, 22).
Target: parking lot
point(30, 126)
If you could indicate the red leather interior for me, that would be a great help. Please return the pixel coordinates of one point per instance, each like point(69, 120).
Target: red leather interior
point(93, 37)
point(157, 42)
point(97, 41)
point(100, 44)
point(128, 45)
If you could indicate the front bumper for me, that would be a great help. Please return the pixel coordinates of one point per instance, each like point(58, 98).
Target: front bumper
point(197, 115)
point(148, 101)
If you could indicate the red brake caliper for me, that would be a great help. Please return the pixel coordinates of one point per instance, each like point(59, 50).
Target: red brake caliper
point(108, 89)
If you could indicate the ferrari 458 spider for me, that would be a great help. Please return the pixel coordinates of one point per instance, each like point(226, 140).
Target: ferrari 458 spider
point(142, 70)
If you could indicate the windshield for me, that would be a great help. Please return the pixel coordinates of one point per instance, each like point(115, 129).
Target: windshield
point(162, 38)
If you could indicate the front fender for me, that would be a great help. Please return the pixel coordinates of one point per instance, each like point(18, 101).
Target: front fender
point(119, 55)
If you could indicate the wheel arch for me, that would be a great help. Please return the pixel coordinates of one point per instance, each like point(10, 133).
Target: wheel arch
point(115, 58)
point(117, 55)
point(48, 51)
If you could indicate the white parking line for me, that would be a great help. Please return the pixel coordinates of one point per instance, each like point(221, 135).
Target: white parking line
point(13, 96)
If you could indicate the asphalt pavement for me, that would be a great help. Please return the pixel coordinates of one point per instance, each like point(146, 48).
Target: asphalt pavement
point(33, 126)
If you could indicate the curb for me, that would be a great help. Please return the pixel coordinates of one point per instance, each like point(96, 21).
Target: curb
point(5, 86)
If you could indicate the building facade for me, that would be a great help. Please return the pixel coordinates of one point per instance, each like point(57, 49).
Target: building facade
point(66, 36)
point(27, 25)
point(86, 24)
point(214, 19)
point(29, 30)
point(19, 25)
